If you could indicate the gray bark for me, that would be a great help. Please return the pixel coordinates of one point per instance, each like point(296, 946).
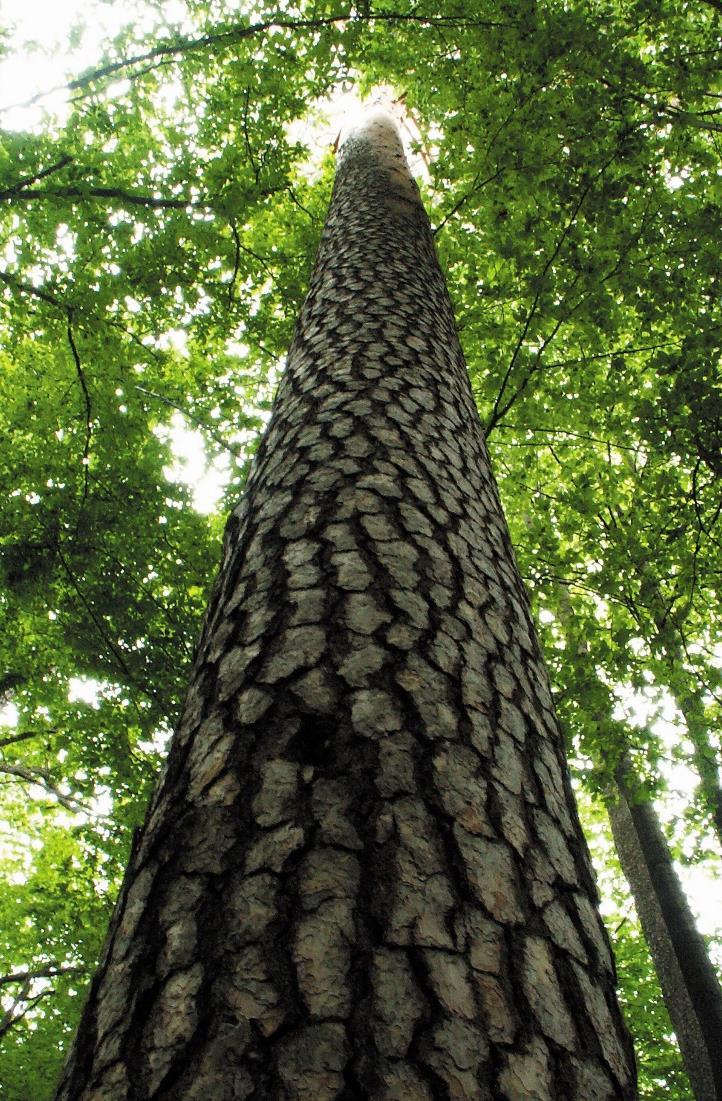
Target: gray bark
point(362, 875)
point(686, 975)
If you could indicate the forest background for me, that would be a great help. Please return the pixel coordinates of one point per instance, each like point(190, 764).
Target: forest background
point(159, 216)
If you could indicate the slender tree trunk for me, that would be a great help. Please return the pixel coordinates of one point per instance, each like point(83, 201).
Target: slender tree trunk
point(704, 754)
point(689, 983)
point(362, 876)
point(665, 643)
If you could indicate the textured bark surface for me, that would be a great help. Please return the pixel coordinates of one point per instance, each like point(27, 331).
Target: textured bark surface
point(362, 876)
point(689, 983)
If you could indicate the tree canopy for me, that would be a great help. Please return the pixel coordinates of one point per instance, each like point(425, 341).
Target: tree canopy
point(157, 238)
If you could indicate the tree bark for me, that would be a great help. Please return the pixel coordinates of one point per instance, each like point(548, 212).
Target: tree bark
point(689, 983)
point(362, 875)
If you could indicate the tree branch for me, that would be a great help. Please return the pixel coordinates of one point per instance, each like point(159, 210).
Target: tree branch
point(497, 411)
point(131, 198)
point(237, 32)
point(236, 260)
point(215, 436)
point(13, 1015)
point(26, 180)
point(51, 971)
point(25, 735)
point(97, 622)
point(27, 288)
point(88, 407)
point(43, 779)
point(464, 198)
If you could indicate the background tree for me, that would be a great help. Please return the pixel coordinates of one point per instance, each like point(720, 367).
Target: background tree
point(691, 988)
point(575, 192)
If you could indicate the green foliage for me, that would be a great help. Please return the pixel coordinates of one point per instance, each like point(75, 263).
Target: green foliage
point(157, 246)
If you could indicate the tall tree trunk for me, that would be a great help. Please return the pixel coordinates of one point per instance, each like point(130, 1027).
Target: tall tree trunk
point(688, 697)
point(705, 755)
point(686, 975)
point(362, 876)
point(689, 983)
point(687, 690)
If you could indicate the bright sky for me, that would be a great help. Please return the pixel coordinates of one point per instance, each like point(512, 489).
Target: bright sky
point(49, 26)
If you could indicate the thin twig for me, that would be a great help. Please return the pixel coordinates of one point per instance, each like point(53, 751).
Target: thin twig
point(12, 1018)
point(497, 413)
point(298, 202)
point(88, 407)
point(464, 198)
point(27, 288)
point(43, 779)
point(215, 436)
point(99, 626)
point(236, 260)
point(130, 198)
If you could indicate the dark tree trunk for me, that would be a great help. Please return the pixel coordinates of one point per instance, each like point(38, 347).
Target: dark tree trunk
point(362, 876)
point(689, 983)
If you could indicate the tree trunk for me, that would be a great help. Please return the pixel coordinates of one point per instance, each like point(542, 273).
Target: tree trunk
point(362, 875)
point(704, 754)
point(686, 975)
point(665, 642)
point(689, 983)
